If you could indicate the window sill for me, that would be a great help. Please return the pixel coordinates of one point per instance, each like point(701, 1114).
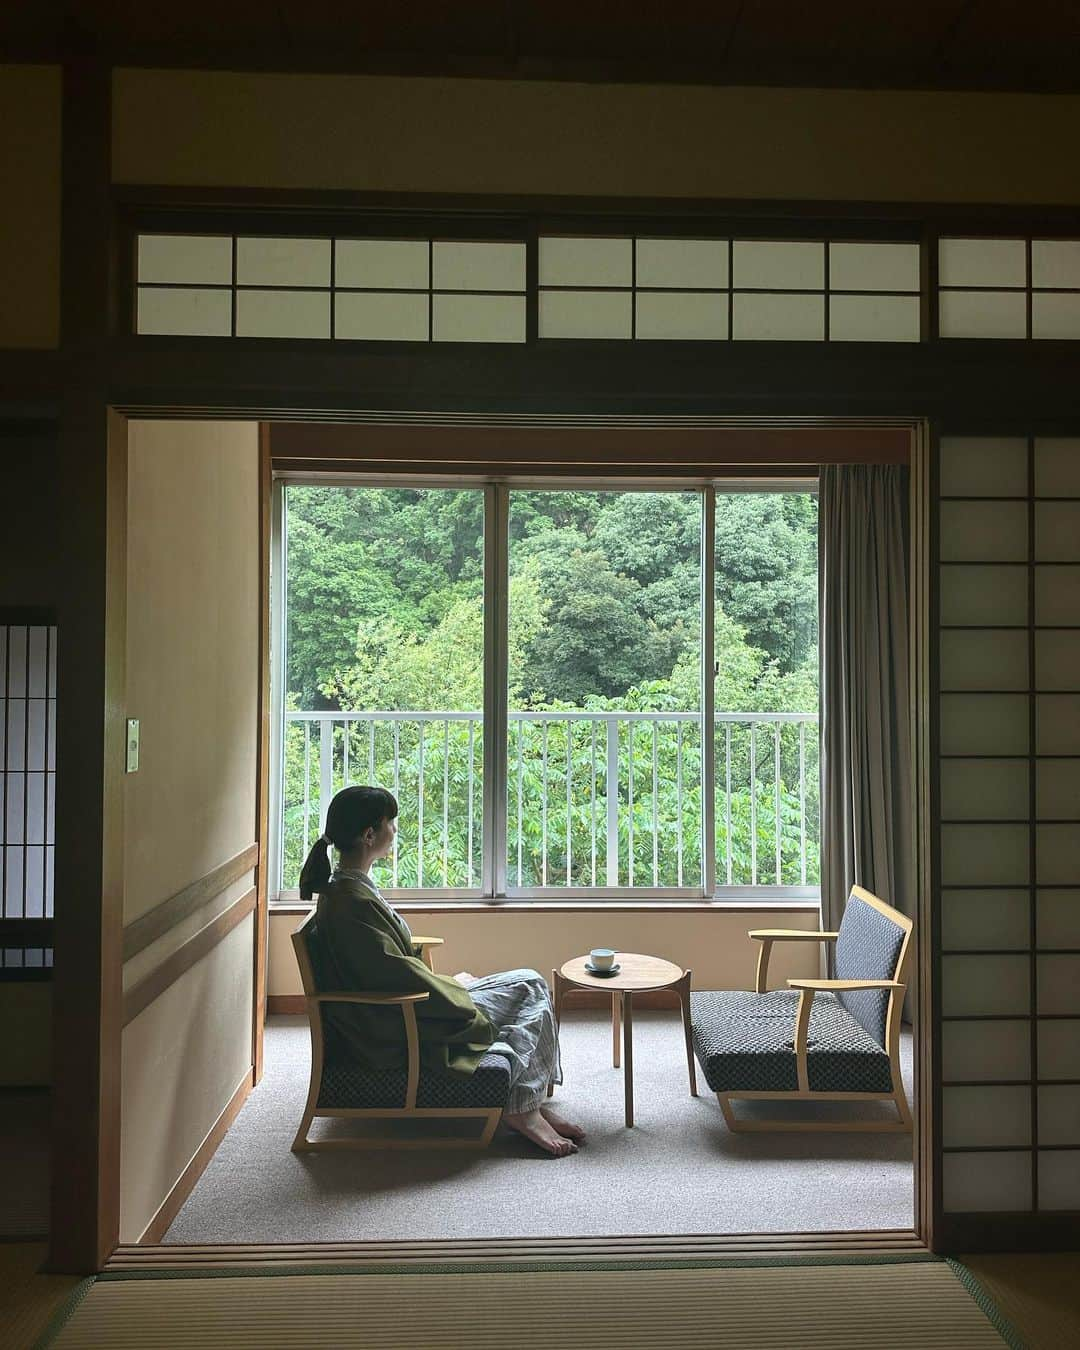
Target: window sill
point(578, 906)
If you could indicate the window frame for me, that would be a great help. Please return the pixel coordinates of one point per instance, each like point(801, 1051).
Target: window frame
point(494, 889)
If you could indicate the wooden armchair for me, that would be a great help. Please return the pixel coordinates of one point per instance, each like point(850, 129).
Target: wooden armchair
point(818, 1040)
point(341, 1087)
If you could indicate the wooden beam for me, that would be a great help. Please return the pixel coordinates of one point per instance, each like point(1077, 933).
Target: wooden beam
point(608, 449)
point(90, 521)
point(991, 384)
point(262, 770)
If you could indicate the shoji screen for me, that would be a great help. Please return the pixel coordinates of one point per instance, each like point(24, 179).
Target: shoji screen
point(27, 779)
point(1010, 833)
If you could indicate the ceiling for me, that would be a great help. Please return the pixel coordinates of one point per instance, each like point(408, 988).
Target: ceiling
point(878, 44)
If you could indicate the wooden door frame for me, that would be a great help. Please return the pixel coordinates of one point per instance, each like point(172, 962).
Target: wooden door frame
point(262, 767)
point(925, 1180)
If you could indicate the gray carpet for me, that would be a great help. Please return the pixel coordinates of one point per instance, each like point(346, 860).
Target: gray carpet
point(678, 1171)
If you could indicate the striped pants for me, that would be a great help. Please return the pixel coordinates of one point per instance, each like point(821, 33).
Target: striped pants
point(519, 1005)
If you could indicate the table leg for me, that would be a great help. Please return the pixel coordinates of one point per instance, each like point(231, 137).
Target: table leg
point(684, 998)
point(628, 1054)
point(616, 1027)
point(556, 1002)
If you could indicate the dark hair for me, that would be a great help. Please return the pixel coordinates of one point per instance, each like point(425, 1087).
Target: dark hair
point(352, 811)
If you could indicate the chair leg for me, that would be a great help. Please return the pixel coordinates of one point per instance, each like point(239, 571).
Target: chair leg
point(684, 998)
point(301, 1144)
point(902, 1108)
point(731, 1120)
point(766, 1125)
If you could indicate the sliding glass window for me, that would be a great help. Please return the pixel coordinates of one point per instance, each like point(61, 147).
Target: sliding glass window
point(384, 672)
point(604, 744)
point(537, 705)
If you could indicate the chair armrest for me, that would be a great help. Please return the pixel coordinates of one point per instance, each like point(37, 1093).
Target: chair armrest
point(807, 989)
point(349, 996)
point(844, 984)
point(407, 1004)
point(423, 946)
point(791, 935)
point(767, 936)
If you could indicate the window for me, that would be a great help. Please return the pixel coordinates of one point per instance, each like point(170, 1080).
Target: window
point(523, 667)
point(1009, 288)
point(423, 288)
point(27, 787)
point(714, 289)
point(396, 290)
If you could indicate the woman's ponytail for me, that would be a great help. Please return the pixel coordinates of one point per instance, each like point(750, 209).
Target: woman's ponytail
point(315, 873)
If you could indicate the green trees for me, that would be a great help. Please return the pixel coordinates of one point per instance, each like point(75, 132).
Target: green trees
point(386, 614)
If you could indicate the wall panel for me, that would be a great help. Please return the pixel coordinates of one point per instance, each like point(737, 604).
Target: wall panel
point(30, 219)
point(193, 639)
point(183, 1059)
point(193, 682)
point(378, 133)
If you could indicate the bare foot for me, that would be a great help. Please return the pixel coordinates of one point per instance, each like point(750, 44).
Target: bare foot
point(533, 1126)
point(563, 1127)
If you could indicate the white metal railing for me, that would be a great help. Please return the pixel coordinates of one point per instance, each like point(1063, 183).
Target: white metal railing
point(594, 799)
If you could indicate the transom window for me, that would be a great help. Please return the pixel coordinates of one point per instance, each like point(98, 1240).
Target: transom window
point(399, 290)
point(548, 286)
point(1009, 288)
point(525, 668)
point(745, 289)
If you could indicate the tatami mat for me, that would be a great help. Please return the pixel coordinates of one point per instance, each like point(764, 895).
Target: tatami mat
point(919, 1304)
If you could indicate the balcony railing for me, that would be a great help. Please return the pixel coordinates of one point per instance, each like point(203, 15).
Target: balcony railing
point(594, 799)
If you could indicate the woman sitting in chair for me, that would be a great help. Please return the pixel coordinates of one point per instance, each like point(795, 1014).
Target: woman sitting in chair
point(368, 947)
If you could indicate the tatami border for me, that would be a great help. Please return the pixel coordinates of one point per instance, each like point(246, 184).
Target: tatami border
point(997, 1319)
point(63, 1311)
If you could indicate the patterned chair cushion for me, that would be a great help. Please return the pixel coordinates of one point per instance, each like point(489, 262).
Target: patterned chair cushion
point(867, 949)
point(746, 1043)
point(346, 1084)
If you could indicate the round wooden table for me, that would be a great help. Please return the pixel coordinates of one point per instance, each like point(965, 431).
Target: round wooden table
point(637, 973)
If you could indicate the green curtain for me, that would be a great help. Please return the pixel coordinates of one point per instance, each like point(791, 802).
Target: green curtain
point(867, 793)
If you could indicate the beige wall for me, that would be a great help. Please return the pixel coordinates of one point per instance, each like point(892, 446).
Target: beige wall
point(30, 216)
point(192, 680)
point(192, 646)
point(218, 128)
point(183, 1059)
point(712, 943)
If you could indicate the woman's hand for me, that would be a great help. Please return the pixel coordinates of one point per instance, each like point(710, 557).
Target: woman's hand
point(463, 977)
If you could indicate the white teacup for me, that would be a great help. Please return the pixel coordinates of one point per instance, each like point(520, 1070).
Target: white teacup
point(602, 958)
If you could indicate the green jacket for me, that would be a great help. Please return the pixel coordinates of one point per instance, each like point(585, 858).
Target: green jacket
point(361, 950)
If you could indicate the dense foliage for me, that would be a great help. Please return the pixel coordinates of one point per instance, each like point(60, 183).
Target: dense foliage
point(386, 613)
